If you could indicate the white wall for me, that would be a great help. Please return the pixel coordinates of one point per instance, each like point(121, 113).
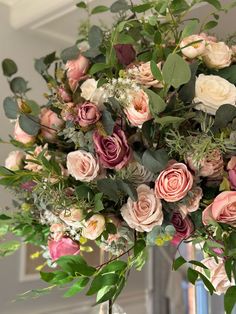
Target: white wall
point(23, 47)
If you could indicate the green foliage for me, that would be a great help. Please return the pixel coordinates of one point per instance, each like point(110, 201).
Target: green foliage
point(230, 299)
point(11, 108)
point(18, 85)
point(77, 287)
point(155, 161)
point(156, 103)
point(69, 53)
point(178, 262)
point(99, 9)
point(108, 122)
point(9, 67)
point(120, 5)
point(95, 36)
point(8, 248)
point(29, 123)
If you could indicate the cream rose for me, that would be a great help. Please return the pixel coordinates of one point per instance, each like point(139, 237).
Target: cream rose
point(194, 49)
point(137, 110)
point(57, 231)
point(212, 91)
point(82, 165)
point(15, 160)
point(88, 88)
point(72, 217)
point(217, 55)
point(93, 227)
point(144, 214)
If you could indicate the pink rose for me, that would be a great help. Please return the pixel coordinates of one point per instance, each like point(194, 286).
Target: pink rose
point(231, 167)
point(21, 136)
point(218, 276)
point(63, 95)
point(113, 151)
point(137, 110)
point(50, 124)
point(82, 165)
point(76, 71)
point(69, 112)
point(15, 160)
point(217, 55)
point(223, 209)
point(88, 114)
point(30, 158)
point(65, 246)
point(183, 227)
point(191, 202)
point(57, 231)
point(144, 214)
point(193, 50)
point(93, 227)
point(125, 53)
point(72, 216)
point(208, 38)
point(174, 182)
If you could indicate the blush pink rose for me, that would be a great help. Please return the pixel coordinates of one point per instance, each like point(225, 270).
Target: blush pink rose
point(15, 160)
point(88, 114)
point(72, 217)
point(174, 182)
point(218, 276)
point(65, 246)
point(21, 136)
point(231, 167)
point(223, 209)
point(144, 214)
point(83, 166)
point(76, 71)
point(93, 227)
point(183, 227)
point(50, 124)
point(113, 151)
point(194, 49)
point(217, 55)
point(63, 94)
point(57, 231)
point(137, 110)
point(208, 38)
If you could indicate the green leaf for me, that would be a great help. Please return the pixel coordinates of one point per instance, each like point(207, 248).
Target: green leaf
point(111, 228)
point(115, 266)
point(192, 275)
point(102, 280)
point(190, 28)
point(228, 268)
point(29, 124)
point(207, 283)
point(178, 262)
point(108, 122)
point(35, 108)
point(97, 67)
point(70, 53)
point(77, 287)
point(105, 294)
point(156, 71)
point(139, 247)
point(9, 67)
point(156, 103)
point(142, 7)
point(167, 120)
point(47, 277)
point(95, 36)
point(178, 6)
point(176, 71)
point(109, 188)
point(230, 299)
point(155, 161)
point(153, 234)
point(75, 264)
point(197, 263)
point(99, 9)
point(157, 38)
point(228, 73)
point(11, 108)
point(81, 5)
point(98, 204)
point(4, 217)
point(18, 85)
point(224, 115)
point(210, 25)
point(125, 39)
point(8, 248)
point(84, 192)
point(128, 189)
point(120, 5)
point(214, 3)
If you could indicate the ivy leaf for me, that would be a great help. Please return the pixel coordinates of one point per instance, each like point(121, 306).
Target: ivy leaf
point(9, 67)
point(115, 266)
point(77, 287)
point(230, 299)
point(11, 108)
point(29, 124)
point(178, 262)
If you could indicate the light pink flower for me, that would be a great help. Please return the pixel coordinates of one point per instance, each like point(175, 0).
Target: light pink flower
point(174, 182)
point(217, 55)
point(208, 38)
point(83, 166)
point(72, 216)
point(30, 164)
point(15, 160)
point(183, 227)
point(57, 231)
point(218, 276)
point(76, 71)
point(137, 110)
point(88, 114)
point(50, 124)
point(93, 227)
point(193, 49)
point(144, 214)
point(63, 95)
point(231, 167)
point(21, 136)
point(65, 246)
point(222, 209)
point(191, 202)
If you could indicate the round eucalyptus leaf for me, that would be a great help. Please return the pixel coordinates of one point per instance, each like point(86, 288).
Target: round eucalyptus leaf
point(9, 67)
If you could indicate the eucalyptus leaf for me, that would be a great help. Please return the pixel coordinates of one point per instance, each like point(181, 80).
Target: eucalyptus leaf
point(120, 5)
point(9, 67)
point(155, 161)
point(108, 122)
point(29, 124)
point(18, 85)
point(70, 53)
point(95, 36)
point(11, 108)
point(156, 71)
point(156, 103)
point(99, 9)
point(190, 28)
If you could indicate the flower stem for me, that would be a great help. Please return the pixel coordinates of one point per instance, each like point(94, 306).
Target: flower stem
point(110, 306)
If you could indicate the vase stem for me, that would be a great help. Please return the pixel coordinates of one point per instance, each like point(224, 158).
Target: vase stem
point(110, 306)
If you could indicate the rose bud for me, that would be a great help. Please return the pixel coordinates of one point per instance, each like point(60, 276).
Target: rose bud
point(50, 124)
point(88, 114)
point(125, 53)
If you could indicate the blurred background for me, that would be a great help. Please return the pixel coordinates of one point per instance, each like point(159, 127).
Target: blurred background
point(30, 29)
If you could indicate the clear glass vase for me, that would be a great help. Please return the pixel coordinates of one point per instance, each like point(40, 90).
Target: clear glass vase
point(104, 309)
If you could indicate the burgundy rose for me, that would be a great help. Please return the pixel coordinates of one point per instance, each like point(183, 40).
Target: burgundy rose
point(113, 151)
point(65, 246)
point(183, 227)
point(88, 114)
point(125, 53)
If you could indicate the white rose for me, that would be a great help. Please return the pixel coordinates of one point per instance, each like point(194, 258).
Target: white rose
point(99, 97)
point(212, 91)
point(217, 55)
point(93, 227)
point(82, 165)
point(14, 160)
point(193, 50)
point(88, 88)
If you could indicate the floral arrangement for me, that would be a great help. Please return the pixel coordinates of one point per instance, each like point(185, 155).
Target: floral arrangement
point(134, 147)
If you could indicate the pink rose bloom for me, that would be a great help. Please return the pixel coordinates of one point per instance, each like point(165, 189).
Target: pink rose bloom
point(191, 202)
point(88, 114)
point(218, 276)
point(217, 55)
point(15, 160)
point(33, 166)
point(69, 112)
point(113, 151)
point(65, 246)
point(144, 214)
point(21, 136)
point(57, 231)
point(93, 227)
point(231, 167)
point(83, 166)
point(194, 49)
point(208, 38)
point(183, 227)
point(63, 95)
point(137, 110)
point(50, 124)
point(72, 216)
point(223, 209)
point(76, 71)
point(174, 182)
